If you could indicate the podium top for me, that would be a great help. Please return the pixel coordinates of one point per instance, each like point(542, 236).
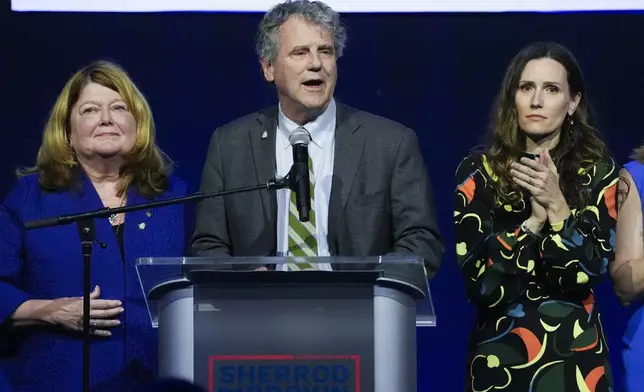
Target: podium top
point(160, 275)
point(276, 261)
point(398, 269)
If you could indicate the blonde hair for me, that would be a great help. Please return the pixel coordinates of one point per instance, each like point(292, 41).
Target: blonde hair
point(146, 167)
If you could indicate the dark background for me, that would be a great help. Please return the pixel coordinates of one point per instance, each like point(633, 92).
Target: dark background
point(436, 73)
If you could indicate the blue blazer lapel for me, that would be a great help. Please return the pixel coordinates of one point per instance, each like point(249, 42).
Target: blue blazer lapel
point(137, 226)
point(89, 200)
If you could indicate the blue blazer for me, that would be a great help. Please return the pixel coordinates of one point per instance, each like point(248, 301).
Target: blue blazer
point(47, 263)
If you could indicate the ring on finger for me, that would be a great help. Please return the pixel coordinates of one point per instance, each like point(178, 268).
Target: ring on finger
point(93, 323)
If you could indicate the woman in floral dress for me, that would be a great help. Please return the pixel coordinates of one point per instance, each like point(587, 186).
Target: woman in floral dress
point(534, 219)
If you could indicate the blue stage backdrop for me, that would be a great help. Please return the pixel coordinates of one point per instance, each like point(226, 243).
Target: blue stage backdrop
point(436, 73)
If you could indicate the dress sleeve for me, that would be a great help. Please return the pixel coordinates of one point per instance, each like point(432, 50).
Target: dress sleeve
point(576, 252)
point(496, 265)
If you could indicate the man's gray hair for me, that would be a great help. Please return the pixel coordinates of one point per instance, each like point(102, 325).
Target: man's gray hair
point(316, 12)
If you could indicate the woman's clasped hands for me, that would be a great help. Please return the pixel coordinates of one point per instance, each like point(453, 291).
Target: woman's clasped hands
point(539, 176)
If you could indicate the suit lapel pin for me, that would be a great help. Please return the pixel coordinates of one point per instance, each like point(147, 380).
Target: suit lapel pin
point(264, 135)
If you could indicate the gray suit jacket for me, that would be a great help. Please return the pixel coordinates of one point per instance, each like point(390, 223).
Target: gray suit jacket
point(380, 200)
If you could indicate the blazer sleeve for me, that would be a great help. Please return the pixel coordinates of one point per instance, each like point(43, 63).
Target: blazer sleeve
point(414, 228)
point(11, 253)
point(576, 252)
point(210, 237)
point(495, 264)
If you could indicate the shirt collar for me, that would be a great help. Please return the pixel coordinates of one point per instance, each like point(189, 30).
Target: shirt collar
point(316, 128)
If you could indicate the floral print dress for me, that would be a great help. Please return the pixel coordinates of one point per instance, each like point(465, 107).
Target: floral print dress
point(537, 328)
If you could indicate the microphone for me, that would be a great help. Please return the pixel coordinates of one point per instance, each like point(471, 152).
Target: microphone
point(299, 175)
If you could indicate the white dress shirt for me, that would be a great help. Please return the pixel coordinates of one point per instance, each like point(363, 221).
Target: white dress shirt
point(321, 151)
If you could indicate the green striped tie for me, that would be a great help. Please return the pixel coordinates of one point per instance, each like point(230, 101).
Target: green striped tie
point(301, 235)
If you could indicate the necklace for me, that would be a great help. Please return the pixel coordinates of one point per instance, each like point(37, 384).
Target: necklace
point(112, 218)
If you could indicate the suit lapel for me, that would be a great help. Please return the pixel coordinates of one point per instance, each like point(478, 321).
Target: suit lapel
point(262, 142)
point(349, 146)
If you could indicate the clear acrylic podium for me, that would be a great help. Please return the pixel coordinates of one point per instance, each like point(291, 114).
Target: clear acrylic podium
point(229, 327)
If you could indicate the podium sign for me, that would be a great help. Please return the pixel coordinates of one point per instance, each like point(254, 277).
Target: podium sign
point(229, 328)
point(315, 340)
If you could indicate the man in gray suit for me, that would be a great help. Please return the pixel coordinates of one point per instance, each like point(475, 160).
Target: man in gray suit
point(370, 191)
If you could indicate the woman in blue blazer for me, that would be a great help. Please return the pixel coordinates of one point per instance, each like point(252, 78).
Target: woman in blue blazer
point(98, 150)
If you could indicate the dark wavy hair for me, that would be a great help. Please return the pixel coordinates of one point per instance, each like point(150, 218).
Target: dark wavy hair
point(580, 144)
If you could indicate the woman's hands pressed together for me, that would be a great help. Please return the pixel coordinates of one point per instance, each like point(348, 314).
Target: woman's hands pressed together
point(540, 178)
